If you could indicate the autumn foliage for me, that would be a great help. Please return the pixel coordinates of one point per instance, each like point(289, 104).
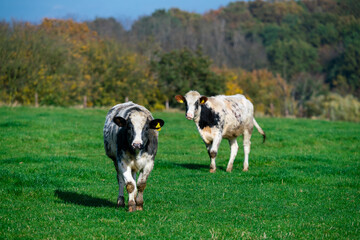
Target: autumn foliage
point(62, 61)
point(287, 57)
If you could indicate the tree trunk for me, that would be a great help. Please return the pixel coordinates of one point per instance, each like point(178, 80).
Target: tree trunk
point(167, 104)
point(272, 109)
point(36, 100)
point(85, 102)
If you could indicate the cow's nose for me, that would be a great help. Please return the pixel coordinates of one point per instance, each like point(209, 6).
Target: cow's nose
point(189, 116)
point(137, 145)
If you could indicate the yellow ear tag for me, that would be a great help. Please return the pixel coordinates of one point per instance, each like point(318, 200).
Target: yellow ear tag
point(158, 127)
point(202, 101)
point(181, 101)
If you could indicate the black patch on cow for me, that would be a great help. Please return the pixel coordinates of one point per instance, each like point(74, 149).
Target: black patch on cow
point(123, 143)
point(208, 117)
point(149, 140)
point(186, 106)
point(197, 104)
point(121, 122)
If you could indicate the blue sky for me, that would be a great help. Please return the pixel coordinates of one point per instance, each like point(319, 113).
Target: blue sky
point(35, 10)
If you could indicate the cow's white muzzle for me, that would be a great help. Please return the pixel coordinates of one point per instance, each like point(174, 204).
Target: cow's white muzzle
point(189, 116)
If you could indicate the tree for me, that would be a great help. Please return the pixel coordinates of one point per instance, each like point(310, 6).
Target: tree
point(182, 70)
point(289, 57)
point(345, 71)
point(108, 28)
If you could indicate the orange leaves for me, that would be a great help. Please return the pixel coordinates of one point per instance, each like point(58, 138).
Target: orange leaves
point(67, 27)
point(77, 34)
point(267, 91)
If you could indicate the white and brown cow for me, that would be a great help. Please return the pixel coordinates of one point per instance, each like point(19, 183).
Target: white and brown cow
point(222, 117)
point(131, 141)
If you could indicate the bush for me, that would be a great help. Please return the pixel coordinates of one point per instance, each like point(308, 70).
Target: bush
point(334, 107)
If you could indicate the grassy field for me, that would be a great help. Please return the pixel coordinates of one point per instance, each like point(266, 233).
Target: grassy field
point(57, 183)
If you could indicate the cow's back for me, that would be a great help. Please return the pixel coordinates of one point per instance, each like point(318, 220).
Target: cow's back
point(237, 112)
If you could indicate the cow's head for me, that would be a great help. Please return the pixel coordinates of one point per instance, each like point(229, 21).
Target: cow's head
point(192, 100)
point(138, 126)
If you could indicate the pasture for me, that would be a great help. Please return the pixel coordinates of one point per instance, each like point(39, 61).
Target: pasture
point(57, 183)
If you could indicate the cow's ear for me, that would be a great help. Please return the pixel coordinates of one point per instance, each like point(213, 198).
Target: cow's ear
point(180, 98)
point(203, 100)
point(156, 124)
point(121, 122)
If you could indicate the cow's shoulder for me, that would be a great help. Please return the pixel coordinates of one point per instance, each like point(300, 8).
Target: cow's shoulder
point(216, 103)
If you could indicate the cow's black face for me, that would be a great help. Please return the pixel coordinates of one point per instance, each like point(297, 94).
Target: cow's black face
point(137, 128)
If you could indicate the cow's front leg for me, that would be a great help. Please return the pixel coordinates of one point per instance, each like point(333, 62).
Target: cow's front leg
point(120, 180)
point(130, 185)
point(213, 150)
point(234, 149)
point(141, 184)
point(247, 143)
point(121, 199)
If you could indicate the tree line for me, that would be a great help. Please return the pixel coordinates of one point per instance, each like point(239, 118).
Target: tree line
point(297, 58)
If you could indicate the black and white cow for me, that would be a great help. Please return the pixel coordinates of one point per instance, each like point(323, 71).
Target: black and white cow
point(222, 117)
point(131, 141)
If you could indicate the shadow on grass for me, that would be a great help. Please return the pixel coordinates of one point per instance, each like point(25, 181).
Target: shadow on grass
point(83, 199)
point(195, 166)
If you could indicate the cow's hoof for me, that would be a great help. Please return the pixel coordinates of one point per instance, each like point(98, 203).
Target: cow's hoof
point(139, 208)
point(132, 206)
point(245, 169)
point(212, 170)
point(229, 168)
point(120, 202)
point(119, 205)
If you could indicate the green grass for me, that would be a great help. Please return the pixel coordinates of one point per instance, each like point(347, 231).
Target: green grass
point(57, 183)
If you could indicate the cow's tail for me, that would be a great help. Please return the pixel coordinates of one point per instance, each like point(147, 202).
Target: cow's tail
point(259, 129)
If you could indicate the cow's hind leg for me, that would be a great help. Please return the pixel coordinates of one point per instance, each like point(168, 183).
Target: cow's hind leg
point(141, 184)
point(234, 149)
point(247, 143)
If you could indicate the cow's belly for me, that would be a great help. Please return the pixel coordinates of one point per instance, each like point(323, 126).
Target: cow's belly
point(233, 132)
point(235, 127)
point(208, 134)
